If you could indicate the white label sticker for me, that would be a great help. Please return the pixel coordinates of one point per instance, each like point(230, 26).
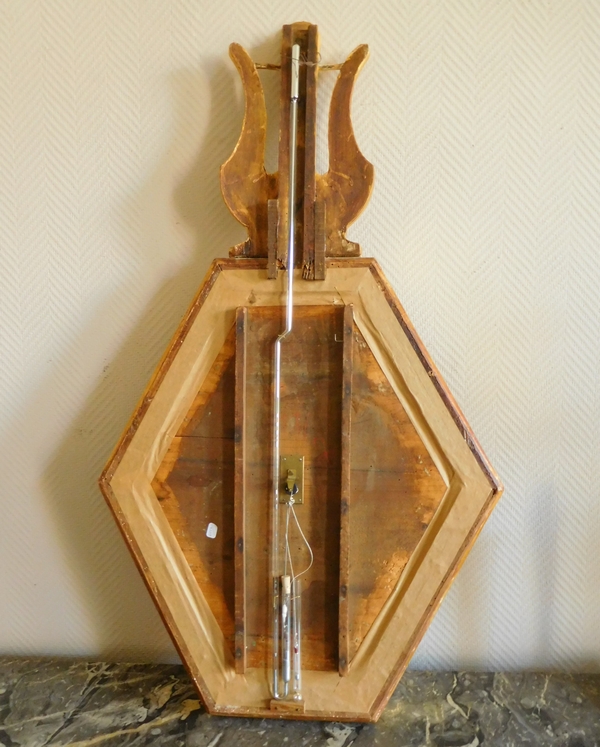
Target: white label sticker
point(211, 531)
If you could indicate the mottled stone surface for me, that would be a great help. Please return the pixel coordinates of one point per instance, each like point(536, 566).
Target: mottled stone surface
point(60, 702)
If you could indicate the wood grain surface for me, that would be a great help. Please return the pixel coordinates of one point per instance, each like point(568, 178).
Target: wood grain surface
point(325, 204)
point(173, 472)
point(195, 486)
point(310, 427)
point(371, 488)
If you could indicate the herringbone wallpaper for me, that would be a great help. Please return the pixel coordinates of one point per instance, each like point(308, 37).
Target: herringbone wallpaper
point(483, 121)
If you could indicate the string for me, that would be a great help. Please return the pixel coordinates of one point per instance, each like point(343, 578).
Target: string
point(273, 66)
point(306, 542)
point(288, 554)
point(302, 61)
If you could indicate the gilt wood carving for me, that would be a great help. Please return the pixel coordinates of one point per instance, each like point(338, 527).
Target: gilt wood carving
point(394, 487)
point(339, 195)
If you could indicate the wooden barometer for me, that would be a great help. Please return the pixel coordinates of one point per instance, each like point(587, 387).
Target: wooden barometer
point(297, 485)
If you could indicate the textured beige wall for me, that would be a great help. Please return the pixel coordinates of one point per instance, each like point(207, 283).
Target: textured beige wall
point(483, 122)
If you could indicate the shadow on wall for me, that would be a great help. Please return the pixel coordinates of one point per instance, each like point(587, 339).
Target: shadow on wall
point(121, 620)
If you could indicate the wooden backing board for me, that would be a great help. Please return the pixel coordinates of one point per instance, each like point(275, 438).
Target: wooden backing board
point(239, 514)
point(374, 471)
point(471, 490)
point(311, 362)
point(345, 488)
point(195, 487)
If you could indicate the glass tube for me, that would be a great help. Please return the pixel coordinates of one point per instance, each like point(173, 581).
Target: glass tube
point(276, 565)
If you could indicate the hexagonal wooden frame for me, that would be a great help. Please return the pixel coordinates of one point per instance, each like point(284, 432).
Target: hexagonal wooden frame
point(472, 491)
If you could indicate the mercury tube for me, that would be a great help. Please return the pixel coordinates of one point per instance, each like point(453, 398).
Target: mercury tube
point(286, 624)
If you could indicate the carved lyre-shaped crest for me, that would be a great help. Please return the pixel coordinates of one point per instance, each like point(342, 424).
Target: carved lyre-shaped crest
point(245, 184)
point(327, 203)
point(346, 187)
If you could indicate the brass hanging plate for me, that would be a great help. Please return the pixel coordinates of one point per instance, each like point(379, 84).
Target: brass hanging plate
point(291, 476)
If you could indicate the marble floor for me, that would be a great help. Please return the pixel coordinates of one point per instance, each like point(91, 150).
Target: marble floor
point(62, 702)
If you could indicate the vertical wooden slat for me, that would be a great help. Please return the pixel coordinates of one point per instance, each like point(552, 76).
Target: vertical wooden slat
point(306, 35)
point(284, 144)
point(343, 646)
point(310, 147)
point(320, 240)
point(241, 323)
point(272, 213)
